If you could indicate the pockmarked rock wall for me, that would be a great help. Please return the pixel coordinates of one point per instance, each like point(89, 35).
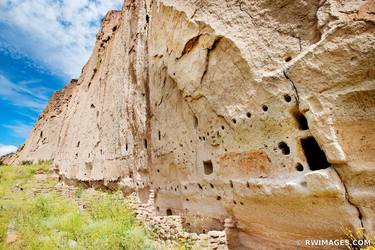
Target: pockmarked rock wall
point(258, 111)
point(42, 143)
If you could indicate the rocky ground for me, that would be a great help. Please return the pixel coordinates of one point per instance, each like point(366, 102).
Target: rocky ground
point(36, 192)
point(39, 212)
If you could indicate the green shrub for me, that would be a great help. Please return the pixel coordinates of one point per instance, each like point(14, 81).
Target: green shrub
point(44, 162)
point(26, 163)
point(51, 221)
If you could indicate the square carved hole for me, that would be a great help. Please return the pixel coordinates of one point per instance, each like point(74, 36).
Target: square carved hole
point(169, 212)
point(208, 167)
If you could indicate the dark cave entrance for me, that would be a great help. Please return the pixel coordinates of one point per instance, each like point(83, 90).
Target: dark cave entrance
point(169, 212)
point(301, 120)
point(208, 167)
point(315, 156)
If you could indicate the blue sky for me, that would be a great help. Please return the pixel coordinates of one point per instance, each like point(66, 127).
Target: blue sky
point(43, 44)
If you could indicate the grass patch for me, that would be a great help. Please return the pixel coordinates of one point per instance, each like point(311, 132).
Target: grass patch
point(51, 221)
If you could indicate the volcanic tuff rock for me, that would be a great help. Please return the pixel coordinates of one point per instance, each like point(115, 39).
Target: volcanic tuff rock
point(44, 138)
point(260, 111)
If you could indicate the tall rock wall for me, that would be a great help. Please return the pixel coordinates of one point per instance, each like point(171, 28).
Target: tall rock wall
point(257, 111)
point(43, 140)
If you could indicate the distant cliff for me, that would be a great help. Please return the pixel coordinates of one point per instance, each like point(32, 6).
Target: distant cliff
point(260, 111)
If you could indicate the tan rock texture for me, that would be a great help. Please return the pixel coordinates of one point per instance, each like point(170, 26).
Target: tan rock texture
point(259, 111)
point(44, 138)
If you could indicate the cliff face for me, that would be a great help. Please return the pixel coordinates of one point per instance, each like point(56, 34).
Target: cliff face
point(43, 140)
point(259, 111)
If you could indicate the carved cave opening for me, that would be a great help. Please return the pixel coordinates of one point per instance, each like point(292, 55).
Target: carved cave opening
point(208, 167)
point(299, 167)
point(288, 59)
point(300, 119)
point(315, 156)
point(284, 148)
point(169, 212)
point(287, 98)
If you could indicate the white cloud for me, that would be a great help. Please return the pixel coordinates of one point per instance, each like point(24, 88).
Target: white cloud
point(19, 129)
point(16, 54)
point(58, 33)
point(24, 94)
point(6, 149)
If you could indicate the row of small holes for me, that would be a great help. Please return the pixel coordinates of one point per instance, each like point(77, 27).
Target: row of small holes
point(287, 98)
point(248, 114)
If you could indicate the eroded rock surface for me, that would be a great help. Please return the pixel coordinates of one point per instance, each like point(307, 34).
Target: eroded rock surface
point(42, 143)
point(257, 111)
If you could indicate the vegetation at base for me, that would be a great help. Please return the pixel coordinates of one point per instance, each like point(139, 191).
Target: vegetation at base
point(26, 163)
point(52, 221)
point(359, 235)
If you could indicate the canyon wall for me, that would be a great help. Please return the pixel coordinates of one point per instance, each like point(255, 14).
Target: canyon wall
point(42, 143)
point(258, 111)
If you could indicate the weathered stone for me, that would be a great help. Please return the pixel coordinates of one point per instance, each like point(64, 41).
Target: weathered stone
point(262, 111)
point(214, 234)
